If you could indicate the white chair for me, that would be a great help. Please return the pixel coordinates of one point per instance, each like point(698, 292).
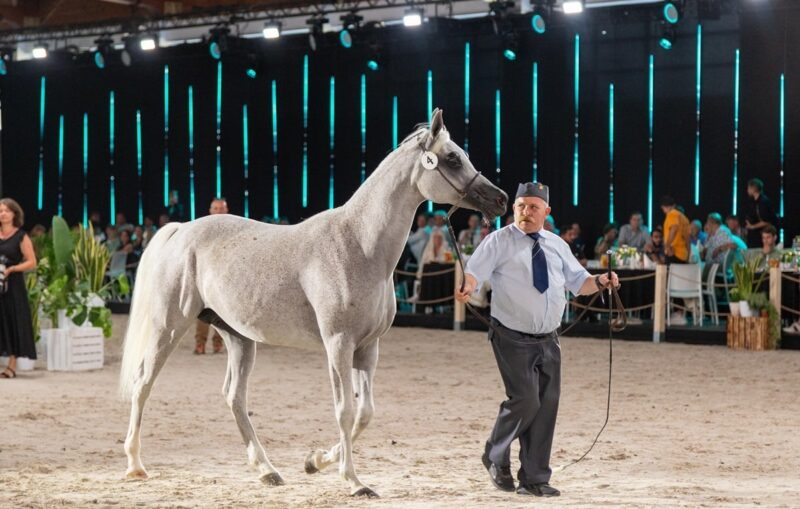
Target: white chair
point(710, 291)
point(685, 282)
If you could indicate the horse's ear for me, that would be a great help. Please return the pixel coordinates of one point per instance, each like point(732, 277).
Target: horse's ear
point(437, 123)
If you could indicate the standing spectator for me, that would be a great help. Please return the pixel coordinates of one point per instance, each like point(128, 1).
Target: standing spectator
point(17, 256)
point(676, 231)
point(634, 233)
point(439, 218)
point(606, 241)
point(418, 239)
point(174, 207)
point(759, 212)
point(218, 206)
point(655, 248)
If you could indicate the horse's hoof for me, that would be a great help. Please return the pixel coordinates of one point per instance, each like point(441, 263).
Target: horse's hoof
point(310, 467)
point(272, 479)
point(365, 492)
point(137, 473)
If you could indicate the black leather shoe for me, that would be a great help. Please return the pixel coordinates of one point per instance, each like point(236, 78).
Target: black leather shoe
point(500, 476)
point(538, 490)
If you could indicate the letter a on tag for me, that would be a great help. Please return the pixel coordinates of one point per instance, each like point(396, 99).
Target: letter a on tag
point(429, 160)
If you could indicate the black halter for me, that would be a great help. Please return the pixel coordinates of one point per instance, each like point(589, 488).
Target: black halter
point(461, 193)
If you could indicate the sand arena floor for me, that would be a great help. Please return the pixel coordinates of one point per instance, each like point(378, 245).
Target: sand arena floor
point(691, 426)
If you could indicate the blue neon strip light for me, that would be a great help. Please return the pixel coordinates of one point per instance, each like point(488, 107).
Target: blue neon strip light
point(697, 117)
point(60, 164)
point(112, 177)
point(332, 103)
point(139, 163)
point(783, 139)
point(245, 162)
point(40, 200)
point(85, 170)
point(535, 122)
point(192, 211)
point(575, 160)
point(497, 143)
point(430, 109)
point(363, 127)
point(394, 122)
point(611, 153)
point(219, 128)
point(275, 150)
point(466, 97)
point(305, 131)
point(650, 217)
point(735, 133)
point(166, 135)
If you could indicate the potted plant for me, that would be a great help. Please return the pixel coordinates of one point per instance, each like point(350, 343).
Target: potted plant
point(747, 280)
point(734, 301)
point(761, 306)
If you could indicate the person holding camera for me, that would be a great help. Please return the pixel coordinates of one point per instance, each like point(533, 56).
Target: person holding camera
point(16, 257)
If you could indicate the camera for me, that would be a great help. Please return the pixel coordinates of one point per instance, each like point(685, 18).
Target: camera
point(3, 264)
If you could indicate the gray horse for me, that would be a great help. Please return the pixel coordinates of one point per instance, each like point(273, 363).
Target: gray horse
point(324, 282)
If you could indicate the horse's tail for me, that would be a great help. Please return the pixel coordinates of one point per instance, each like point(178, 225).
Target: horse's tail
point(140, 320)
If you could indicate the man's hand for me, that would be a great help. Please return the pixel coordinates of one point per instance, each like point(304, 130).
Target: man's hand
point(669, 251)
point(470, 283)
point(603, 280)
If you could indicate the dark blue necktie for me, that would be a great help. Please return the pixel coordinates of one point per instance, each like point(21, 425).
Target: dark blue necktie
point(539, 265)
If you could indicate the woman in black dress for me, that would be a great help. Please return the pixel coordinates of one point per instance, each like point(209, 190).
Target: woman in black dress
point(17, 256)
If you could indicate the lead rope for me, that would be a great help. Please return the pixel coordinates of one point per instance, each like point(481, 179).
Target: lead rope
point(617, 324)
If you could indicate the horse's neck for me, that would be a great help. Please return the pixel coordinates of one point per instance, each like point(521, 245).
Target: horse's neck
point(384, 206)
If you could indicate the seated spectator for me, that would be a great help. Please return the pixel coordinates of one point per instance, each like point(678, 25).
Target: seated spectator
point(122, 223)
point(580, 245)
point(655, 248)
point(720, 240)
point(126, 246)
point(471, 236)
point(418, 238)
point(439, 220)
point(137, 239)
point(550, 225)
point(37, 231)
point(112, 238)
point(437, 250)
point(163, 219)
point(769, 249)
point(697, 235)
point(568, 234)
point(606, 241)
point(634, 233)
point(735, 226)
point(149, 229)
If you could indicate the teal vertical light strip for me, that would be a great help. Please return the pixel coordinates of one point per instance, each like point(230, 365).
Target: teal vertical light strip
point(219, 129)
point(535, 122)
point(575, 160)
point(166, 135)
point(497, 143)
point(332, 160)
point(611, 153)
point(60, 165)
point(42, 88)
point(650, 115)
point(85, 170)
point(735, 134)
point(394, 122)
point(192, 209)
point(246, 161)
point(697, 117)
point(139, 164)
point(430, 109)
point(275, 196)
point(112, 184)
point(363, 127)
point(305, 131)
point(783, 139)
point(466, 97)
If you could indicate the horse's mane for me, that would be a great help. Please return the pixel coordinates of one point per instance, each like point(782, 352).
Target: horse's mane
point(422, 126)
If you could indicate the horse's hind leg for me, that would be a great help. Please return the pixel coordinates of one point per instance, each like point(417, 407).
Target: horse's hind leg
point(365, 361)
point(151, 365)
point(241, 359)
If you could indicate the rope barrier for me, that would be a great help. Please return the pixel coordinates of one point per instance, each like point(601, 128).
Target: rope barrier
point(425, 274)
point(790, 278)
point(426, 302)
point(790, 310)
point(605, 310)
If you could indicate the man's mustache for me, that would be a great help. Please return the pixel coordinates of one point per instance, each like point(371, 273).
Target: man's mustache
point(526, 218)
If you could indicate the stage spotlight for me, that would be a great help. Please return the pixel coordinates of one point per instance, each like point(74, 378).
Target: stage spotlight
point(148, 42)
point(351, 22)
point(573, 6)
point(40, 51)
point(251, 73)
point(671, 12)
point(272, 30)
point(103, 47)
point(510, 46)
point(667, 39)
point(539, 20)
point(218, 43)
point(316, 31)
point(413, 17)
point(373, 65)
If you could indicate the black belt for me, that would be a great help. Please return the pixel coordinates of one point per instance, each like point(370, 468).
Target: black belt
point(551, 334)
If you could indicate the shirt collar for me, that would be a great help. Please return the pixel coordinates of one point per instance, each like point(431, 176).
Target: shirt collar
point(516, 228)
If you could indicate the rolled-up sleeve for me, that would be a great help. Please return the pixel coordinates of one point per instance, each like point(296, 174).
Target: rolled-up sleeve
point(574, 273)
point(483, 261)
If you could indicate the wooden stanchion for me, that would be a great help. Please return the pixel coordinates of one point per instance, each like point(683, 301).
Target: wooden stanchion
point(659, 304)
point(459, 308)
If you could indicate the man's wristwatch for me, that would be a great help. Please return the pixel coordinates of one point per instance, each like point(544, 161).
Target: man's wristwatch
point(599, 285)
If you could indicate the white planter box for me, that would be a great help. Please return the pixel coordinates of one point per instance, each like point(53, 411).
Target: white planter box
point(74, 348)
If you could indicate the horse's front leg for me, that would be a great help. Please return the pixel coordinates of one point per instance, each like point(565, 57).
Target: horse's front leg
point(340, 351)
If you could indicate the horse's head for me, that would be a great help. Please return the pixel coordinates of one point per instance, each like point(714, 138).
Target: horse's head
point(447, 176)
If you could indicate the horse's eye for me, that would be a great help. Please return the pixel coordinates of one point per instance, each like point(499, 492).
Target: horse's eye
point(454, 160)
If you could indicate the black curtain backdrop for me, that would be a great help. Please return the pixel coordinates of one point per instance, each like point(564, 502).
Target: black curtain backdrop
point(615, 47)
